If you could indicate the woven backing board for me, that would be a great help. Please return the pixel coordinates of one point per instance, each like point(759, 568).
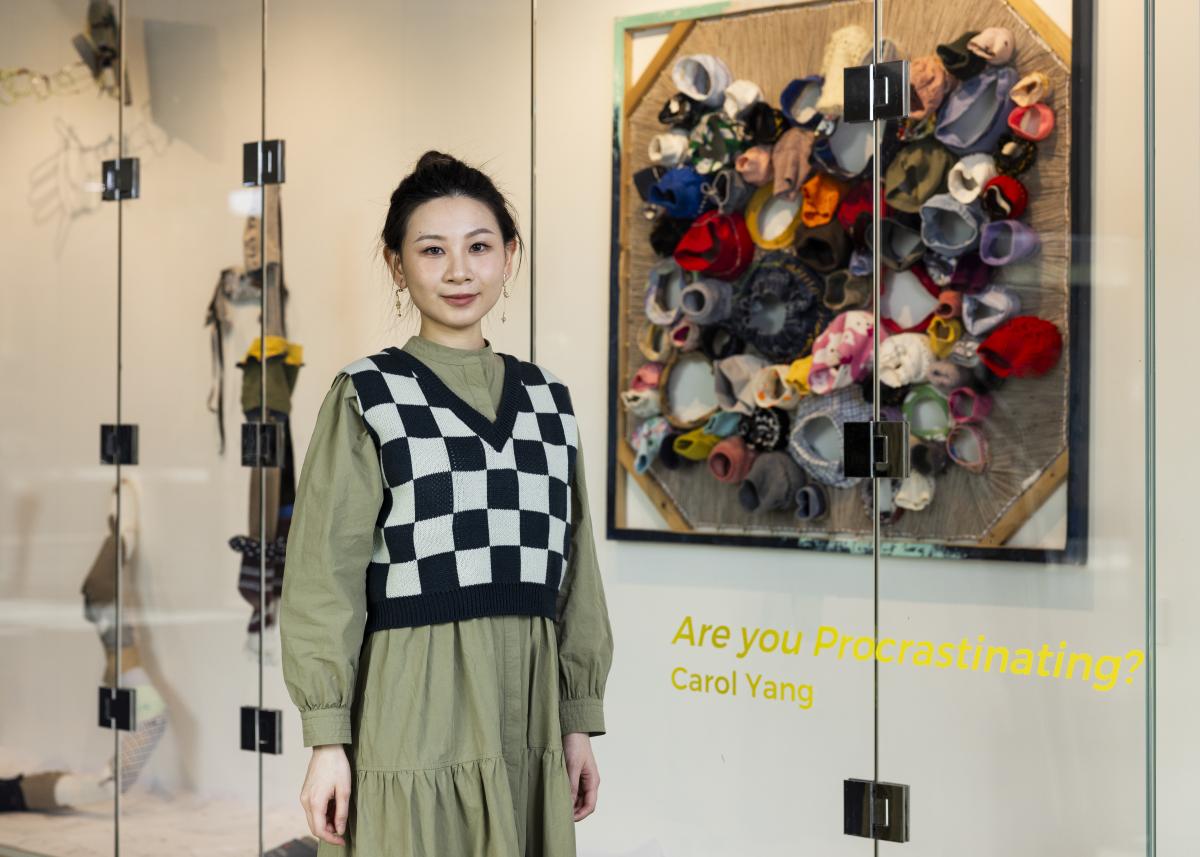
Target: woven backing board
point(1027, 430)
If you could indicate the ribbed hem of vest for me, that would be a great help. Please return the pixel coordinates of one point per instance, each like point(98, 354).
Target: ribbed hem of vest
point(470, 602)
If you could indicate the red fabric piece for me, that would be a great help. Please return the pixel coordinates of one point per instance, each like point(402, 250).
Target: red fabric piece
point(716, 245)
point(857, 201)
point(1012, 190)
point(1023, 347)
point(1044, 118)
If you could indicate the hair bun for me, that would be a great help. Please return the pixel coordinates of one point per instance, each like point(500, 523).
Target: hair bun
point(433, 159)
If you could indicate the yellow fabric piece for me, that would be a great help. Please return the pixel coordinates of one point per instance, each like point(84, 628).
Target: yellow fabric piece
point(754, 208)
point(822, 193)
point(797, 374)
point(655, 343)
point(276, 345)
point(695, 444)
point(943, 334)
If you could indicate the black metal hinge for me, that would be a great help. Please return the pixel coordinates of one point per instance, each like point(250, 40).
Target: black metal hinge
point(118, 707)
point(118, 443)
point(261, 443)
point(262, 729)
point(875, 449)
point(877, 91)
point(875, 810)
point(120, 178)
point(262, 162)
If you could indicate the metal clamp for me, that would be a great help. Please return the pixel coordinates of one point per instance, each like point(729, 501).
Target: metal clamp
point(118, 707)
point(875, 810)
point(877, 91)
point(261, 443)
point(118, 443)
point(262, 729)
point(120, 178)
point(876, 449)
point(262, 162)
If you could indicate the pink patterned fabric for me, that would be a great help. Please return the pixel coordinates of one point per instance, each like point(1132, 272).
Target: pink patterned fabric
point(647, 376)
point(842, 352)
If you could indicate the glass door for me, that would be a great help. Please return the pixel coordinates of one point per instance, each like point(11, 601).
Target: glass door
point(66, 540)
point(191, 309)
point(1013, 576)
point(732, 123)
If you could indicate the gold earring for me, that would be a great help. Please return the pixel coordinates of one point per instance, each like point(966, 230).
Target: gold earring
point(504, 309)
point(399, 308)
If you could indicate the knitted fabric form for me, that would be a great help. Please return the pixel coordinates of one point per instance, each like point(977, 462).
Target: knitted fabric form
point(846, 47)
point(476, 515)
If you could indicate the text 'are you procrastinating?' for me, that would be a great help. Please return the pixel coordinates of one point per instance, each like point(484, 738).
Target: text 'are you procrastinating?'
point(1102, 672)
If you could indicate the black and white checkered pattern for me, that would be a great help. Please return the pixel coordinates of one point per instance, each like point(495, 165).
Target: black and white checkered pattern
point(476, 516)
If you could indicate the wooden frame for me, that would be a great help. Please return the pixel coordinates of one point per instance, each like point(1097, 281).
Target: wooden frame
point(629, 94)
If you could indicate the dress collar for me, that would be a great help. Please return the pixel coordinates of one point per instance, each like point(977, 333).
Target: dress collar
point(429, 351)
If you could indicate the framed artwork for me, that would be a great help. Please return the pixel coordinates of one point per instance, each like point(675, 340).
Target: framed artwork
point(740, 313)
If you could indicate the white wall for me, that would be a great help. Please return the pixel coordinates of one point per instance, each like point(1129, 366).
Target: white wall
point(998, 765)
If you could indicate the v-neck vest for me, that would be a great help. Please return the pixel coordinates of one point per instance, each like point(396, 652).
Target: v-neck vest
point(476, 513)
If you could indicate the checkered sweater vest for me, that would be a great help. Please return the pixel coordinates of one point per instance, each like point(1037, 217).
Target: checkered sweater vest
point(476, 515)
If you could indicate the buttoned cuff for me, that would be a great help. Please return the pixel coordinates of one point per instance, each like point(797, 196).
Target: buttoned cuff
point(325, 726)
point(585, 714)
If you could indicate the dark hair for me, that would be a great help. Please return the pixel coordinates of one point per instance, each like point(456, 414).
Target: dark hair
point(436, 175)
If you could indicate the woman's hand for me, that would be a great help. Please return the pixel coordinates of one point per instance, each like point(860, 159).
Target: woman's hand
point(327, 780)
point(582, 771)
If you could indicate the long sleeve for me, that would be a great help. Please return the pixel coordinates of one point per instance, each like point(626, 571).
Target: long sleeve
point(323, 605)
point(585, 642)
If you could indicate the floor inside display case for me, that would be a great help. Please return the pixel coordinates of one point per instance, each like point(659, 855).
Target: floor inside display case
point(153, 826)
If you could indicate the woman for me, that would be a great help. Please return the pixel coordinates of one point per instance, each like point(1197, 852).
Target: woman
point(442, 611)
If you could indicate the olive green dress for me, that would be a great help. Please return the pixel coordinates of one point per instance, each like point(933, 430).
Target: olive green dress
point(454, 729)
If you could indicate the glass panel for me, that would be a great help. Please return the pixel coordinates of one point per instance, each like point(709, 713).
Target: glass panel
point(1176, 171)
point(358, 95)
point(195, 98)
point(1011, 654)
point(58, 346)
point(708, 766)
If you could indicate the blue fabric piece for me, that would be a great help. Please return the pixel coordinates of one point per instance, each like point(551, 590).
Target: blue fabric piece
point(792, 92)
point(992, 86)
point(723, 423)
point(707, 301)
point(843, 405)
point(1005, 241)
point(678, 192)
point(780, 279)
point(860, 263)
point(934, 215)
point(824, 156)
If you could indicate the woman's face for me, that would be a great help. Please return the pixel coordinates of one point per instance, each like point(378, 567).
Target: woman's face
point(453, 261)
